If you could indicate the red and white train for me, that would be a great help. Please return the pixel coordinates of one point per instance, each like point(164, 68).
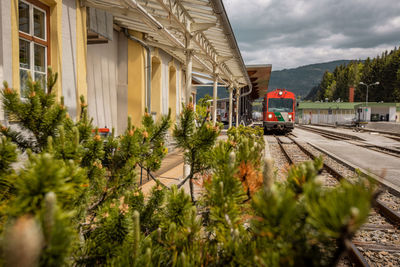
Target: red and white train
point(279, 110)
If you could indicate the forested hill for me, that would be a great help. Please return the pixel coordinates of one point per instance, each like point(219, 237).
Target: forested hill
point(300, 80)
point(381, 72)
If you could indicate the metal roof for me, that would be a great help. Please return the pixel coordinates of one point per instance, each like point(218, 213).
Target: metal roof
point(328, 105)
point(342, 105)
point(167, 24)
point(259, 76)
point(378, 104)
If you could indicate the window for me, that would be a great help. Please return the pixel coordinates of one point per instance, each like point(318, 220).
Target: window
point(280, 105)
point(33, 41)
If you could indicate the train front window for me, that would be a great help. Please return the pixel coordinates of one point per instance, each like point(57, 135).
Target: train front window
point(280, 105)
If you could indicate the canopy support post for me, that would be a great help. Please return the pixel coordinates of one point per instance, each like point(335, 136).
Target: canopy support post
point(230, 105)
point(215, 95)
point(237, 106)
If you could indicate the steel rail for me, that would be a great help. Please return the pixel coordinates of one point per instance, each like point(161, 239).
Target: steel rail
point(328, 168)
point(288, 157)
point(378, 179)
point(382, 209)
point(354, 254)
point(353, 140)
point(356, 257)
point(381, 132)
point(331, 133)
point(388, 213)
point(392, 216)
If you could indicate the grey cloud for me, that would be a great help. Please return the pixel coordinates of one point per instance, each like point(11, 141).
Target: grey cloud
point(270, 27)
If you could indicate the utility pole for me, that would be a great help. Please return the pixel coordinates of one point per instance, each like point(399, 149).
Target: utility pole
point(366, 98)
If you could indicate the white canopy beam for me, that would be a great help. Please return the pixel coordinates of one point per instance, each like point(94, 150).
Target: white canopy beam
point(182, 17)
point(167, 24)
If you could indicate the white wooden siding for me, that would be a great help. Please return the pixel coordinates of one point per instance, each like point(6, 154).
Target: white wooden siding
point(102, 68)
point(68, 77)
point(5, 47)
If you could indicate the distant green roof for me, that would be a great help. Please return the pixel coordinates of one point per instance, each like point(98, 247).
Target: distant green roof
point(327, 105)
point(379, 104)
point(343, 105)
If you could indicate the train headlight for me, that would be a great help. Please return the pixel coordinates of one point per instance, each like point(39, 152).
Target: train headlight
point(290, 116)
point(270, 116)
point(280, 92)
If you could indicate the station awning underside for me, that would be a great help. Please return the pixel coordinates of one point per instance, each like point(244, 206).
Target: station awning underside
point(259, 77)
point(168, 24)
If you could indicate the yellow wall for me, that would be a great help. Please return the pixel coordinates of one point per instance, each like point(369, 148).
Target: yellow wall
point(136, 80)
point(156, 86)
point(81, 54)
point(15, 44)
point(172, 91)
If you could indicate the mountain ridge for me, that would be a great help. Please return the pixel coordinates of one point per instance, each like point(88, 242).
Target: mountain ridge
point(299, 80)
point(302, 79)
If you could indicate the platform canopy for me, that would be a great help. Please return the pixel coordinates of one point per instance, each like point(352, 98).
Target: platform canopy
point(169, 24)
point(259, 77)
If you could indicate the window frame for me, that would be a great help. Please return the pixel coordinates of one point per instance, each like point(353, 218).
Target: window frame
point(33, 40)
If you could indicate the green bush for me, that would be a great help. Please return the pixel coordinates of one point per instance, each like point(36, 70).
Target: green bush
point(76, 200)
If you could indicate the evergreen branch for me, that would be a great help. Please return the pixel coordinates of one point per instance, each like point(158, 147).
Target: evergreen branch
point(162, 128)
point(102, 198)
point(205, 119)
point(190, 176)
point(152, 177)
point(19, 139)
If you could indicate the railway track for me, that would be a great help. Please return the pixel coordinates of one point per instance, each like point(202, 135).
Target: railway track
point(378, 241)
point(391, 135)
point(352, 139)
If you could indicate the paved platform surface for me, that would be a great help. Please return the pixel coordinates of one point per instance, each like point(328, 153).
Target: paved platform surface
point(380, 164)
point(384, 126)
point(170, 173)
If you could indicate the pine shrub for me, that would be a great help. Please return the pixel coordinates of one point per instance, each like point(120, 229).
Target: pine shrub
point(76, 200)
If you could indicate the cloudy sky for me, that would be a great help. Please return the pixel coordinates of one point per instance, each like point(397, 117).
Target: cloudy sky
point(291, 33)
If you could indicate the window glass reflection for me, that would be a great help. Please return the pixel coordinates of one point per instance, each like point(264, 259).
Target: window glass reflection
point(39, 23)
point(40, 58)
point(23, 14)
point(41, 78)
point(23, 77)
point(24, 54)
point(280, 105)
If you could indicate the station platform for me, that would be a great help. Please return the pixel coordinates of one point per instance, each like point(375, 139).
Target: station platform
point(170, 173)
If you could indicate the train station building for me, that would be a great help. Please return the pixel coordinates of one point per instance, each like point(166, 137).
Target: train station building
point(346, 112)
point(122, 55)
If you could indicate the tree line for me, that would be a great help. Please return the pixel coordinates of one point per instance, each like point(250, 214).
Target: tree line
point(384, 69)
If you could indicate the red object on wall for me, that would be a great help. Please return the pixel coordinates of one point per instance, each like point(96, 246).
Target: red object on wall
point(351, 94)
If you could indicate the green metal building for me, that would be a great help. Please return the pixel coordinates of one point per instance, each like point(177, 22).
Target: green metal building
point(346, 112)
